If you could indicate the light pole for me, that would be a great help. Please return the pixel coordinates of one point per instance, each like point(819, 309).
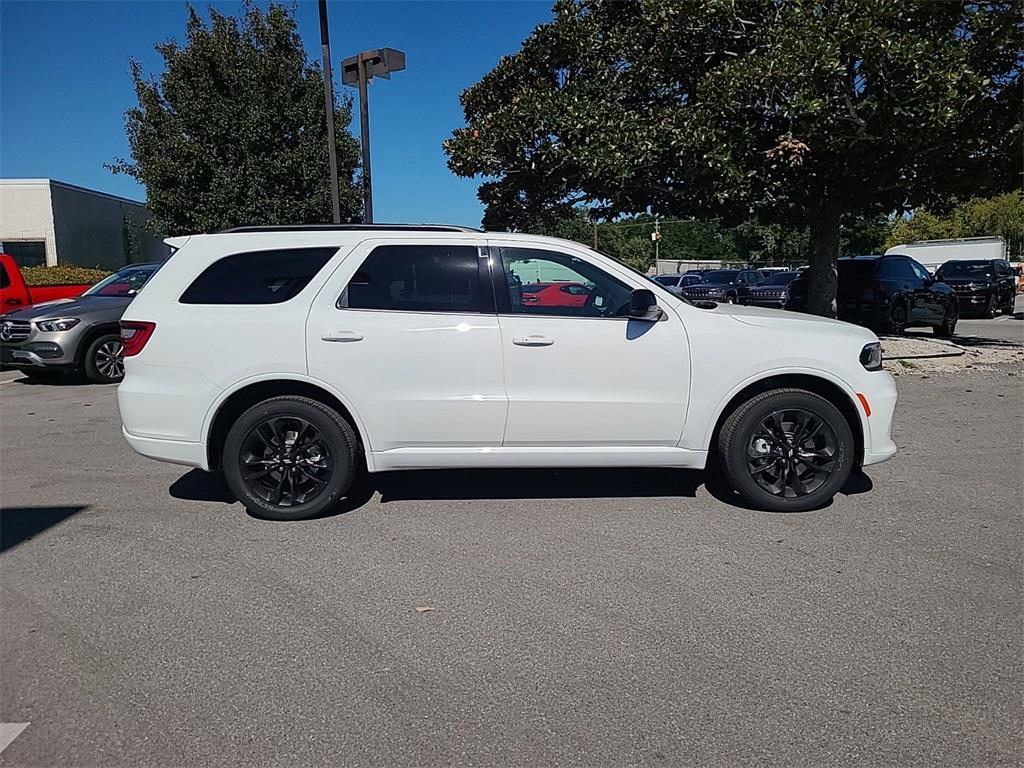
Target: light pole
point(357, 71)
point(332, 152)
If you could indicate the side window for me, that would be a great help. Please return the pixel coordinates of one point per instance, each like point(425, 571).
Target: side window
point(753, 277)
point(416, 278)
point(919, 272)
point(257, 277)
point(600, 294)
point(5, 279)
point(1002, 269)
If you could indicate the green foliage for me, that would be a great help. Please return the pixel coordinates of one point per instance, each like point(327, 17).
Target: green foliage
point(1001, 216)
point(233, 131)
point(62, 274)
point(794, 113)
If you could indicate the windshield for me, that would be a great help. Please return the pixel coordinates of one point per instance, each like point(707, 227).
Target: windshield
point(667, 279)
point(980, 270)
point(719, 276)
point(781, 278)
point(124, 282)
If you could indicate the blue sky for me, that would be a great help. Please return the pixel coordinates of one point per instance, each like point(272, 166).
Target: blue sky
point(64, 87)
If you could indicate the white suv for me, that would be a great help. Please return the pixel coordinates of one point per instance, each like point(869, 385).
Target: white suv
point(291, 357)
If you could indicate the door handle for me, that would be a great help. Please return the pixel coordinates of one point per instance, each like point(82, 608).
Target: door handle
point(532, 341)
point(342, 336)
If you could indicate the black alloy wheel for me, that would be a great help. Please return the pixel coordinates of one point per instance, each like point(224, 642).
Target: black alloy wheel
point(286, 461)
point(290, 458)
point(786, 450)
point(104, 359)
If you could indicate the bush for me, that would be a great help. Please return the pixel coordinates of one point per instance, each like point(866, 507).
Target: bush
point(62, 274)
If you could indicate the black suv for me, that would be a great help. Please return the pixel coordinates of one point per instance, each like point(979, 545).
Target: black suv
point(983, 287)
point(888, 293)
point(731, 286)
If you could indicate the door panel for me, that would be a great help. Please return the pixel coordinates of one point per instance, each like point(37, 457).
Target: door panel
point(416, 378)
point(576, 380)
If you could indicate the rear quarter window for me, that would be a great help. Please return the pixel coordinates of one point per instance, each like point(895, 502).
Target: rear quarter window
point(257, 277)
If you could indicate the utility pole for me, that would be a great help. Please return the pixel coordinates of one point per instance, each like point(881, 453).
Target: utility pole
point(656, 237)
point(357, 70)
point(593, 219)
point(332, 150)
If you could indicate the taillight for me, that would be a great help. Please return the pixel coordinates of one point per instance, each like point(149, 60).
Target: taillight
point(134, 335)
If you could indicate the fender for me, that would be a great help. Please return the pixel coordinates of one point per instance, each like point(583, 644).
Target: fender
point(290, 376)
point(842, 384)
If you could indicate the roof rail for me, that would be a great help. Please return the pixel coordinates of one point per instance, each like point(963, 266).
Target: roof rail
point(350, 228)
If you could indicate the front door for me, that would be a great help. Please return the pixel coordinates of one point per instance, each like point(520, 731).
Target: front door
point(585, 374)
point(406, 331)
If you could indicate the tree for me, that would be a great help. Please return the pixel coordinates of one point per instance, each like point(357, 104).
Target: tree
point(1001, 216)
point(233, 131)
point(798, 113)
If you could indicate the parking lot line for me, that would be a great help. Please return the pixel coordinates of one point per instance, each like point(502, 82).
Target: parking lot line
point(9, 732)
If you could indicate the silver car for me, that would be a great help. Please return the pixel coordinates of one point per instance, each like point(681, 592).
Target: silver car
point(76, 335)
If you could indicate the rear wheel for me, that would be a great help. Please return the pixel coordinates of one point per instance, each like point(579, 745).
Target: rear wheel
point(104, 359)
point(289, 458)
point(786, 450)
point(898, 318)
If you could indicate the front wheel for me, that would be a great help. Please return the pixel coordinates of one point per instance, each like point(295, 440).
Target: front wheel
point(104, 360)
point(289, 458)
point(990, 308)
point(786, 450)
point(948, 326)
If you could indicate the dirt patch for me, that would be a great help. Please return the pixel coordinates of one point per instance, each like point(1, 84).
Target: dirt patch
point(907, 355)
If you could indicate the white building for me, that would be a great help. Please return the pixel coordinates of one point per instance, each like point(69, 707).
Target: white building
point(43, 221)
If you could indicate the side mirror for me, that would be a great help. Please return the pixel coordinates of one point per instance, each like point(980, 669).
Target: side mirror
point(643, 305)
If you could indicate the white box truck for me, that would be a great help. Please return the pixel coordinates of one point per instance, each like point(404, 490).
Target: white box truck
point(932, 254)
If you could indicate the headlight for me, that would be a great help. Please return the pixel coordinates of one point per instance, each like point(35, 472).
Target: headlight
point(871, 356)
point(60, 324)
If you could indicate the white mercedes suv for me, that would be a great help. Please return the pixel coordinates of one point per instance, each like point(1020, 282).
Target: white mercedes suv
point(291, 357)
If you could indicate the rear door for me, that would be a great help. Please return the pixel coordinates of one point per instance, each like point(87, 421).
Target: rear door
point(585, 376)
point(931, 303)
point(406, 330)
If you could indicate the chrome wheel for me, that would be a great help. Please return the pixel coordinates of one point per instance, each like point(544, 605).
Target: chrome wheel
point(286, 461)
point(109, 359)
point(792, 452)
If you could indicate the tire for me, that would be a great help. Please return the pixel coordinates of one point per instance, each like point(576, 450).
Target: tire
point(103, 362)
point(899, 315)
point(990, 308)
point(730, 299)
point(948, 327)
point(752, 462)
point(296, 486)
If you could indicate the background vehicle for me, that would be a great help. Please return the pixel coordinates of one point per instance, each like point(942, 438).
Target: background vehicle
point(677, 282)
point(889, 293)
point(555, 294)
point(982, 287)
point(15, 294)
point(931, 254)
point(730, 286)
point(774, 291)
point(288, 358)
point(74, 335)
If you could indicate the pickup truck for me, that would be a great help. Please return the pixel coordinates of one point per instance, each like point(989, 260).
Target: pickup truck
point(14, 294)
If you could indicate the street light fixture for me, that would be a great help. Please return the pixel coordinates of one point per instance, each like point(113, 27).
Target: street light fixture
point(357, 71)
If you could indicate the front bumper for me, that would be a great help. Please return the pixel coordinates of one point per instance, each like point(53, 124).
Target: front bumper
point(34, 356)
point(769, 302)
point(880, 392)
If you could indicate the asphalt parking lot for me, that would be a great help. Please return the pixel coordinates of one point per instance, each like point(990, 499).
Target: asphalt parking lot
point(578, 617)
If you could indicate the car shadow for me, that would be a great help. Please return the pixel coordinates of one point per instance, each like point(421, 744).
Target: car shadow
point(20, 524)
point(511, 484)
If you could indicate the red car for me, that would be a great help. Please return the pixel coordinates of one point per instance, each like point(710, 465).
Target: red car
point(555, 294)
point(14, 294)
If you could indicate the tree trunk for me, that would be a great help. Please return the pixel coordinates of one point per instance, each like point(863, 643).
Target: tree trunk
point(821, 274)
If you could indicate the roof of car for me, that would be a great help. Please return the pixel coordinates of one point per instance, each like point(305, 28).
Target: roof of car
point(867, 257)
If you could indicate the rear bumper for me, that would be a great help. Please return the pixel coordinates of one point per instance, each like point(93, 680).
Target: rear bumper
point(171, 451)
